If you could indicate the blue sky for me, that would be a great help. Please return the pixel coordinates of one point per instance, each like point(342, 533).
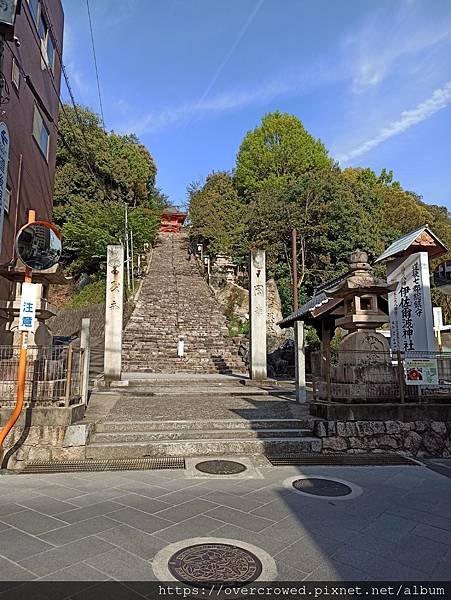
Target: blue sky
point(371, 79)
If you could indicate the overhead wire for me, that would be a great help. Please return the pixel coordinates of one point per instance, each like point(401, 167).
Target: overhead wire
point(69, 89)
point(57, 92)
point(95, 63)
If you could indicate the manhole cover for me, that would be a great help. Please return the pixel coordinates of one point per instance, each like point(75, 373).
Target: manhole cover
point(220, 467)
point(205, 564)
point(321, 487)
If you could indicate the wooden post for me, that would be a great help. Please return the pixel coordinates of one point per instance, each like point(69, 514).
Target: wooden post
point(325, 347)
point(294, 267)
point(328, 382)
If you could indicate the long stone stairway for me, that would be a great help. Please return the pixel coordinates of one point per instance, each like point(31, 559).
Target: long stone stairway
point(199, 405)
point(175, 301)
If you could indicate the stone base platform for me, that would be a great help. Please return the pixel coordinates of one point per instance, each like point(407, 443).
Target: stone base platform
point(40, 434)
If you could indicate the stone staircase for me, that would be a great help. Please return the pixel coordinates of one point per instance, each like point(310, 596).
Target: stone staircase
point(175, 301)
point(198, 416)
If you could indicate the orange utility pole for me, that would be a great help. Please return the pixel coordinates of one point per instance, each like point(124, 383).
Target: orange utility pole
point(22, 361)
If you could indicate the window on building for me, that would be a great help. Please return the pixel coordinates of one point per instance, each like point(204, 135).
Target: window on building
point(50, 52)
point(34, 9)
point(40, 132)
point(7, 200)
point(47, 46)
point(15, 76)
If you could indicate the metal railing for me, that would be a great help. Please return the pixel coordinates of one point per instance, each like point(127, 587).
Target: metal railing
point(54, 375)
point(372, 376)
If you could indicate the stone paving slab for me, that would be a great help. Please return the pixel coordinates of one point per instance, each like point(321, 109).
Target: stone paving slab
point(243, 406)
point(399, 528)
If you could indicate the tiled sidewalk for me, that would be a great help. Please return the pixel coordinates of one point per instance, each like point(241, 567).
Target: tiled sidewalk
point(101, 526)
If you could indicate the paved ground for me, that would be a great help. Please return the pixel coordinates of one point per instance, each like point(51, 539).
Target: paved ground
point(100, 526)
point(186, 396)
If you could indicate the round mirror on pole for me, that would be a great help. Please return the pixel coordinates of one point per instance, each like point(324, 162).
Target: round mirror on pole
point(38, 245)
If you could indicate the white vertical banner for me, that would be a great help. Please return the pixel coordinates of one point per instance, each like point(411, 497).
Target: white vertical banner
point(27, 312)
point(4, 158)
point(411, 325)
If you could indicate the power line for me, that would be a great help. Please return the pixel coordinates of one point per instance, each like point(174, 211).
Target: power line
point(44, 58)
point(35, 94)
point(63, 69)
point(95, 63)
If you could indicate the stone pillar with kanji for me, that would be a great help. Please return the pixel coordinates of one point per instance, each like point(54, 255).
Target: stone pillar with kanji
point(114, 313)
point(257, 314)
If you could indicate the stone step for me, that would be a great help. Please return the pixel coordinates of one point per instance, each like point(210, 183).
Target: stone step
point(176, 300)
point(224, 447)
point(217, 434)
point(232, 425)
point(137, 380)
point(183, 392)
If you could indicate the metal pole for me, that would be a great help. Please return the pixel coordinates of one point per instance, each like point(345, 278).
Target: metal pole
point(127, 254)
point(131, 262)
point(294, 267)
point(19, 183)
point(22, 368)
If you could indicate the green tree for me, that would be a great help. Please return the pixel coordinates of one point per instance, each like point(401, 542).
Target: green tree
point(91, 226)
point(217, 216)
point(332, 215)
point(97, 173)
point(278, 151)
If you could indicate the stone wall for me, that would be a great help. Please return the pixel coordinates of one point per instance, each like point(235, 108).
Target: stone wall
point(416, 438)
point(43, 433)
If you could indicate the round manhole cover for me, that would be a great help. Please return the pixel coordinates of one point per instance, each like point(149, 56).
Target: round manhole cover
point(321, 487)
point(205, 564)
point(221, 467)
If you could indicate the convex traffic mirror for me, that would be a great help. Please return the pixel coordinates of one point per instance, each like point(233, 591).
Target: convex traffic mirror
point(38, 245)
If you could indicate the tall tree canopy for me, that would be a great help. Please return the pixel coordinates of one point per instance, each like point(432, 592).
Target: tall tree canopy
point(279, 150)
point(284, 179)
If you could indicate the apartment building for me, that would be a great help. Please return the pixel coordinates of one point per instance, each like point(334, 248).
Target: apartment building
point(31, 71)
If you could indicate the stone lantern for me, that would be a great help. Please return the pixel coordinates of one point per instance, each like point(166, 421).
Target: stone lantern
point(360, 293)
point(360, 290)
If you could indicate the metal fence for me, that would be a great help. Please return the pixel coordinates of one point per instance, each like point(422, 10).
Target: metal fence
point(54, 375)
point(367, 376)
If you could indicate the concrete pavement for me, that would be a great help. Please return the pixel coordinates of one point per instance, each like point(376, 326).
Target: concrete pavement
point(112, 525)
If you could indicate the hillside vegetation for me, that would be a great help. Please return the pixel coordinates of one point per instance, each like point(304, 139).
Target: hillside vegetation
point(284, 178)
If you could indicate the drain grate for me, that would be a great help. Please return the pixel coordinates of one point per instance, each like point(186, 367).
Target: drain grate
point(221, 467)
point(351, 460)
point(132, 464)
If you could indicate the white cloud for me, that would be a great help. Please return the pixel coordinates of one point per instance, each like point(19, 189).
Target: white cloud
point(387, 41)
point(408, 118)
